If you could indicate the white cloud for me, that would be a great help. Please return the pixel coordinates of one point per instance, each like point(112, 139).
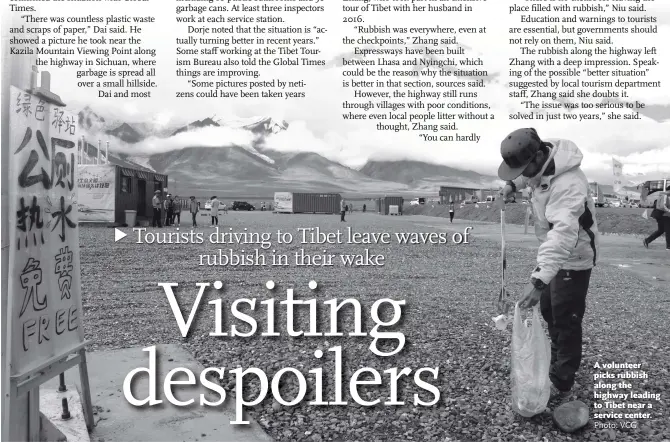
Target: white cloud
point(210, 136)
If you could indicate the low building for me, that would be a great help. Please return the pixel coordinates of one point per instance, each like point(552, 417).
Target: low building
point(463, 194)
point(456, 194)
point(294, 202)
point(107, 191)
point(384, 204)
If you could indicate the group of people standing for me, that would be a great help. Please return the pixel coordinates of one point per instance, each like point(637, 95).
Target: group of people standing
point(167, 212)
point(172, 207)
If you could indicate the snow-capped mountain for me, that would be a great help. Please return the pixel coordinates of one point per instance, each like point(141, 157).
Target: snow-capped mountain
point(197, 163)
point(257, 125)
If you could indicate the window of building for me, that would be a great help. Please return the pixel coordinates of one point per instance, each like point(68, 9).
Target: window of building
point(125, 184)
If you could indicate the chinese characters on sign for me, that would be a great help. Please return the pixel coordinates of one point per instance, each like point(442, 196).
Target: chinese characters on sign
point(44, 282)
point(64, 269)
point(96, 199)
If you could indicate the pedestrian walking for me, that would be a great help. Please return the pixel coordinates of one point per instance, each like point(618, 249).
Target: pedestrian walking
point(343, 209)
point(364, 207)
point(194, 208)
point(451, 212)
point(156, 205)
point(567, 229)
point(661, 214)
point(215, 211)
point(666, 216)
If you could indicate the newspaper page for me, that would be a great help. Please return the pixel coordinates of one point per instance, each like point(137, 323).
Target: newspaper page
point(352, 220)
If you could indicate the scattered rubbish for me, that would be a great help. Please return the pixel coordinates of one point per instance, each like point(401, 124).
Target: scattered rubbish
point(501, 321)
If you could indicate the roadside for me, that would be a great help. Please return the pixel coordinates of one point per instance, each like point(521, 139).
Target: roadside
point(610, 220)
point(622, 251)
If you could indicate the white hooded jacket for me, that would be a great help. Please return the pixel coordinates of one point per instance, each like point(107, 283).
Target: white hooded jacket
point(564, 212)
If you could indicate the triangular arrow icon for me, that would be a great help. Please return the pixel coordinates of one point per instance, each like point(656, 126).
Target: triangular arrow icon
point(119, 235)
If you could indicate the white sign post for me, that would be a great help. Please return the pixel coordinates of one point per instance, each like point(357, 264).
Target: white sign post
point(44, 320)
point(96, 198)
point(283, 202)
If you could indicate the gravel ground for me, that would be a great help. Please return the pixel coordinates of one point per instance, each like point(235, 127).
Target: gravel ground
point(449, 291)
point(610, 220)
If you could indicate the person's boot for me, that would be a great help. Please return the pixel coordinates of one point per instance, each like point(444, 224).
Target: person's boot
point(645, 243)
point(557, 395)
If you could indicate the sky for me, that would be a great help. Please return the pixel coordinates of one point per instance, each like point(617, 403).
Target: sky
point(316, 124)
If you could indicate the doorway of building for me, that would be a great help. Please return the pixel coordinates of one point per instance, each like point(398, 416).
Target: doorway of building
point(142, 198)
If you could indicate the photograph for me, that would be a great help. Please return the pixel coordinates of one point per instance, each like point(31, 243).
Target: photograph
point(360, 221)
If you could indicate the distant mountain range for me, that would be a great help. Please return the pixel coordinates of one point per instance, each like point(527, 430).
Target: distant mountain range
point(258, 171)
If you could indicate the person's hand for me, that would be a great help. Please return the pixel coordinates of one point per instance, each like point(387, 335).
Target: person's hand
point(531, 296)
point(507, 193)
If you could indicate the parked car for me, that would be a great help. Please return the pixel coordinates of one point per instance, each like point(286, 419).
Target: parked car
point(633, 204)
point(417, 201)
point(615, 203)
point(242, 205)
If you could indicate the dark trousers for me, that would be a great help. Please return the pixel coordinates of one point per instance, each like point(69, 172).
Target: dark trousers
point(342, 212)
point(562, 305)
point(663, 227)
point(156, 221)
point(215, 220)
point(195, 222)
point(451, 217)
point(168, 218)
point(659, 231)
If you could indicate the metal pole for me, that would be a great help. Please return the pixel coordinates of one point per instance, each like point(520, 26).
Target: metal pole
point(61, 382)
point(66, 410)
point(18, 71)
point(107, 154)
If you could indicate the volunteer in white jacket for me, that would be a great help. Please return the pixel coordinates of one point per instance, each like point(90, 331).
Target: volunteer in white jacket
point(567, 229)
